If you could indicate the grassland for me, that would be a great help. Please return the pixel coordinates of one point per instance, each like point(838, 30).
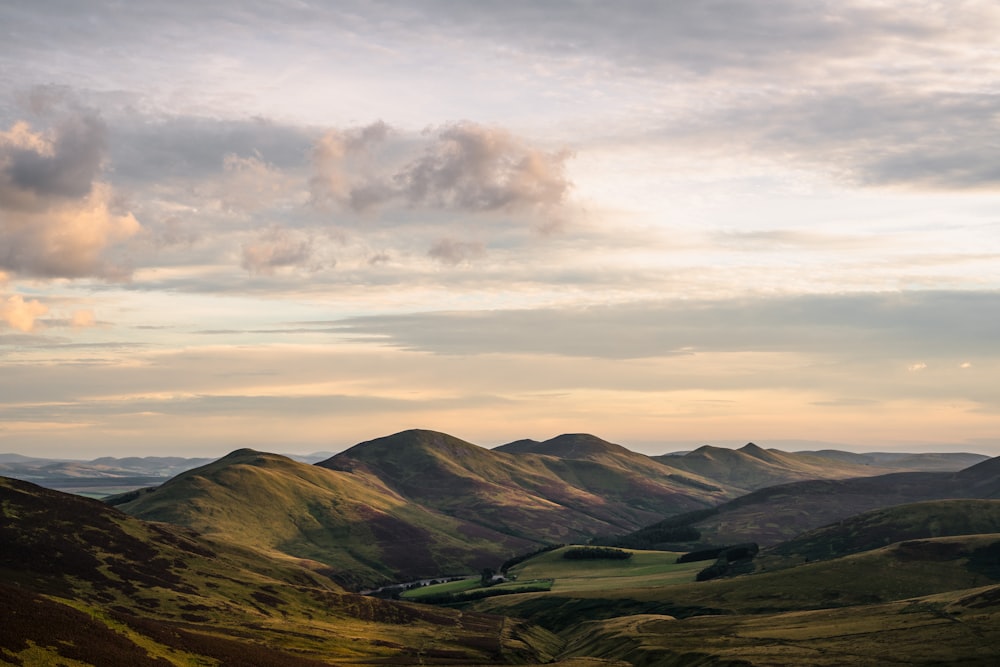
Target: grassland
point(645, 569)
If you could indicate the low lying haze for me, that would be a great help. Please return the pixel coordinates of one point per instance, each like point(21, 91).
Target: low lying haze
point(298, 225)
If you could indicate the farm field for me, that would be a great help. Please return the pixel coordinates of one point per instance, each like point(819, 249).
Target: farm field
point(645, 569)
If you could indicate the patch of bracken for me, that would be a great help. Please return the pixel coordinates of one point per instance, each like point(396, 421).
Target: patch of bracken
point(68, 632)
point(226, 651)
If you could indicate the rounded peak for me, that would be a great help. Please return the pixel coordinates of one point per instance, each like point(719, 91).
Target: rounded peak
point(577, 445)
point(409, 441)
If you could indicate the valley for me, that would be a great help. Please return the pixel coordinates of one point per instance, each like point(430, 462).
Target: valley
point(256, 559)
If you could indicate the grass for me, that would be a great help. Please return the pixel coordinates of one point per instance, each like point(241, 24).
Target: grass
point(652, 569)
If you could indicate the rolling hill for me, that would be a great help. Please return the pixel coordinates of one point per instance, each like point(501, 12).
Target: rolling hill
point(778, 513)
point(933, 601)
point(359, 531)
point(878, 528)
point(84, 584)
point(539, 497)
point(751, 467)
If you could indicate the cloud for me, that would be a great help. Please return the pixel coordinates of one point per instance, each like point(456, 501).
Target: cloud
point(462, 167)
point(56, 219)
point(19, 314)
point(917, 367)
point(38, 171)
point(452, 252)
point(873, 326)
point(277, 248)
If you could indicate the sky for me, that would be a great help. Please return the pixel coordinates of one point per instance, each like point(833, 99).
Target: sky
point(295, 225)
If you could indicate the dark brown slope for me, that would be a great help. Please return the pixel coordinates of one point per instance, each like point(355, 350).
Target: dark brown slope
point(779, 513)
point(120, 591)
point(539, 497)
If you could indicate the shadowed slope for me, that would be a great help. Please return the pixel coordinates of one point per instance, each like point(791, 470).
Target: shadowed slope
point(871, 530)
point(779, 513)
point(537, 497)
point(126, 592)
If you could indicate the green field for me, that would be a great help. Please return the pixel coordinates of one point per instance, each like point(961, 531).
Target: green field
point(560, 575)
point(643, 569)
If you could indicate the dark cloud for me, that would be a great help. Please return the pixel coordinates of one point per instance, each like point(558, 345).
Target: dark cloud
point(37, 171)
point(463, 166)
point(889, 325)
point(152, 150)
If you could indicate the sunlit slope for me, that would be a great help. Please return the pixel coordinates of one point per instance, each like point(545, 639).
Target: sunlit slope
point(779, 513)
point(121, 591)
point(537, 497)
point(360, 531)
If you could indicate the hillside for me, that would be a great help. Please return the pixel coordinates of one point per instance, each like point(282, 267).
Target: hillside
point(875, 529)
point(537, 497)
point(358, 530)
point(934, 601)
point(778, 513)
point(751, 467)
point(121, 592)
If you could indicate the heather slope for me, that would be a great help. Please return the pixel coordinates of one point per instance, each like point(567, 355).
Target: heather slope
point(121, 591)
point(778, 513)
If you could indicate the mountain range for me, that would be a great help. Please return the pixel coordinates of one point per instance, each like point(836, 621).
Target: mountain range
point(250, 559)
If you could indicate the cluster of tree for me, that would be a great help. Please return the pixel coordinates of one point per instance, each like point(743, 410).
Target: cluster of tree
point(663, 534)
point(594, 553)
point(737, 559)
point(517, 560)
point(732, 552)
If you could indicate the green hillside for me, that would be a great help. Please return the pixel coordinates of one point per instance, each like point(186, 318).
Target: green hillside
point(358, 531)
point(84, 584)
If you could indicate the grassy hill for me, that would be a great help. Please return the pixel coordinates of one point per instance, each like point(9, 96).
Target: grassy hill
point(871, 530)
point(918, 602)
point(538, 497)
point(954, 628)
point(779, 513)
point(357, 530)
point(84, 584)
point(751, 467)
